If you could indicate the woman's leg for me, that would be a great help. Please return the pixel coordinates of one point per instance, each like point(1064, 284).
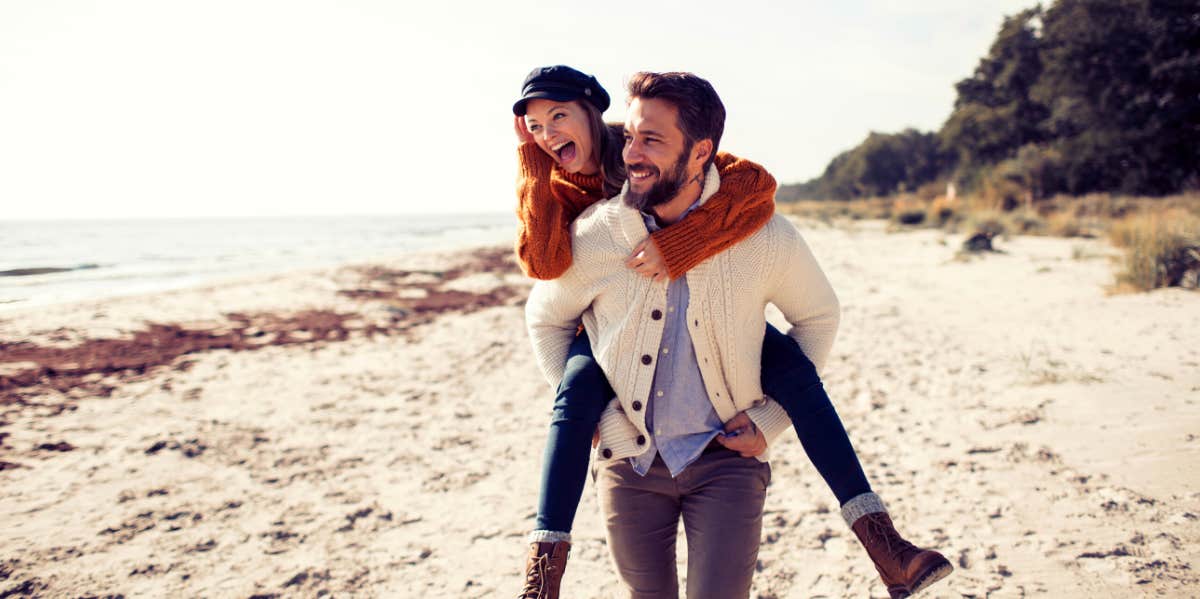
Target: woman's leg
point(790, 378)
point(582, 397)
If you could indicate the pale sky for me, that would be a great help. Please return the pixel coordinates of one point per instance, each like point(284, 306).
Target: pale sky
point(157, 108)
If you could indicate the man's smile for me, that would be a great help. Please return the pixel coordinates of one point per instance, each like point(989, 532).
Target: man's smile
point(641, 172)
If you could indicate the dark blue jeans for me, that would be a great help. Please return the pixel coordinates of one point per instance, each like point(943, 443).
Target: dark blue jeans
point(788, 376)
point(582, 396)
point(791, 379)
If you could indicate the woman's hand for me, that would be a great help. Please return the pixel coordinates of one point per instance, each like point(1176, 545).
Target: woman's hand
point(523, 134)
point(647, 261)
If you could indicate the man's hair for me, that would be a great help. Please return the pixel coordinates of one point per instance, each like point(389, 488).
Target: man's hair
point(701, 113)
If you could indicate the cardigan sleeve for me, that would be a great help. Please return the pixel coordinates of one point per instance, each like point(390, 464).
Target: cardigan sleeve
point(770, 418)
point(547, 203)
point(552, 315)
point(799, 288)
point(742, 205)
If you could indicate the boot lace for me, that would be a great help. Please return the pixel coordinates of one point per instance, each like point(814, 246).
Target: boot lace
point(896, 546)
point(535, 577)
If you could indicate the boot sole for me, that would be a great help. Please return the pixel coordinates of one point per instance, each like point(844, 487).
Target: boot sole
point(941, 571)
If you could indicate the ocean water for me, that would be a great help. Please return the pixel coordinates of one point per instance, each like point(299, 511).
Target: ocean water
point(45, 262)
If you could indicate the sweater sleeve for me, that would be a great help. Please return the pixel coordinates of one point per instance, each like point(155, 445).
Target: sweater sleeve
point(552, 315)
point(770, 418)
point(742, 205)
point(547, 203)
point(799, 288)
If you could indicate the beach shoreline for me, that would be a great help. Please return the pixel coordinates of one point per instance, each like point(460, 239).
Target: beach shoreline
point(375, 429)
point(44, 263)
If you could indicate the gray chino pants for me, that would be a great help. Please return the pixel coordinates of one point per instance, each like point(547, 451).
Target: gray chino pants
point(720, 499)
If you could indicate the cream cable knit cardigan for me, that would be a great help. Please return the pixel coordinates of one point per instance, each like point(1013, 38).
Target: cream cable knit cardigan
point(622, 313)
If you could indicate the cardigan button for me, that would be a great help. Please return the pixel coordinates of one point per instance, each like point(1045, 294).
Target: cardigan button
point(641, 440)
point(607, 453)
point(637, 405)
point(646, 359)
point(656, 314)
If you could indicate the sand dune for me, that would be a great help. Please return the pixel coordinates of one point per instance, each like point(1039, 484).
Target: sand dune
point(376, 430)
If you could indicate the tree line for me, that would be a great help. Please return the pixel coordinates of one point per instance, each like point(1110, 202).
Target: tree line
point(1083, 96)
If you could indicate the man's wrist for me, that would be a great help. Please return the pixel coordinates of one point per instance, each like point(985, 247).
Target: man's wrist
point(770, 418)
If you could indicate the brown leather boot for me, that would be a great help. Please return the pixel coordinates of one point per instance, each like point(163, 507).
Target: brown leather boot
point(904, 568)
point(544, 569)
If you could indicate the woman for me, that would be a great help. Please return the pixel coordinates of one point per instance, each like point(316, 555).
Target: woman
point(570, 159)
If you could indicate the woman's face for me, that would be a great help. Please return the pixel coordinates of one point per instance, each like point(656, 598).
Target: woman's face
point(561, 130)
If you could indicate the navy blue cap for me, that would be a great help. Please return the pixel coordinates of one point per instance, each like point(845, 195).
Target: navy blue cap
point(561, 83)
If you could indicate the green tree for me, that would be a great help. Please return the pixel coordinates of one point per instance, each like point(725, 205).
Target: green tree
point(882, 164)
point(994, 114)
point(1122, 79)
point(1087, 95)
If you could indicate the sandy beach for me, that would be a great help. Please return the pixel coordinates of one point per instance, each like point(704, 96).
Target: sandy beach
point(376, 430)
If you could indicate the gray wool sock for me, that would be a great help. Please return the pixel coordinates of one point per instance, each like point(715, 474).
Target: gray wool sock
point(861, 505)
point(548, 536)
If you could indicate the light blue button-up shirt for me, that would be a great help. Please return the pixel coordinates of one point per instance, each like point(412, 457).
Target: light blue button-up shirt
point(679, 415)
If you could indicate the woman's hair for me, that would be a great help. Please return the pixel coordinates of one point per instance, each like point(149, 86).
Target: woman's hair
point(607, 142)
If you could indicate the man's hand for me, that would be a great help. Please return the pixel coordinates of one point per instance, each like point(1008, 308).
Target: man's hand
point(742, 436)
point(647, 261)
point(523, 134)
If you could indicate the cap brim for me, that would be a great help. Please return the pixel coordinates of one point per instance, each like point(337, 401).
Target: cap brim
point(544, 94)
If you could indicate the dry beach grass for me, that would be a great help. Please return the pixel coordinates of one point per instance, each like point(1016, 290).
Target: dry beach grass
point(1039, 430)
point(1160, 236)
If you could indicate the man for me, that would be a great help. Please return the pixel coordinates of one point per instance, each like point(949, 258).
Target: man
point(688, 433)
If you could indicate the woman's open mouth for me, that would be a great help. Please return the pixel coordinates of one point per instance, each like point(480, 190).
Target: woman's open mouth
point(565, 152)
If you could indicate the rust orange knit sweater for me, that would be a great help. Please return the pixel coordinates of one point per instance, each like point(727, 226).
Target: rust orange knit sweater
point(550, 199)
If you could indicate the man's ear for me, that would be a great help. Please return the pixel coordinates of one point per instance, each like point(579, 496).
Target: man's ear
point(702, 150)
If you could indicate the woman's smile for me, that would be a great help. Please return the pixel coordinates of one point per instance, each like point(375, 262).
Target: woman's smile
point(565, 151)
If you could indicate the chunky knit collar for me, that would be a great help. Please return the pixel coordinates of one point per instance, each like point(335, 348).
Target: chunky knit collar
point(589, 182)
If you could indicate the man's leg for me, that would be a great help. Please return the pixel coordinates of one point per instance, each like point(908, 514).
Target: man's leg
point(642, 518)
point(722, 516)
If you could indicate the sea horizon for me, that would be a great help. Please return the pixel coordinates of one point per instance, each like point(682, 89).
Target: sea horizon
point(185, 217)
point(49, 261)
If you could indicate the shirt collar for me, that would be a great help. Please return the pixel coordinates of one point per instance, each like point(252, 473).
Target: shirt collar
point(652, 221)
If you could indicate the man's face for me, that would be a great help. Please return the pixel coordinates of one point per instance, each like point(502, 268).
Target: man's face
point(656, 153)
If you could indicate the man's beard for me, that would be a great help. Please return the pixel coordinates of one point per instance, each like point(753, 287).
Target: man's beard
point(666, 187)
